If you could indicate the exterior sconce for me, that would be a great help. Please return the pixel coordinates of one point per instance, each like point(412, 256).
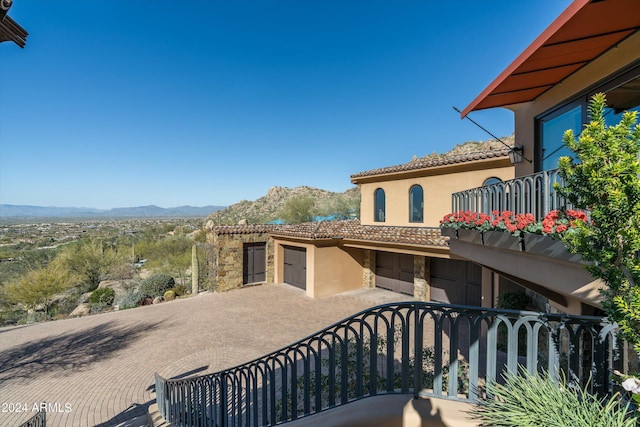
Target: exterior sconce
point(515, 154)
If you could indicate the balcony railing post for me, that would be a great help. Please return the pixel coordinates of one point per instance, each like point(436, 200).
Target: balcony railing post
point(533, 194)
point(419, 348)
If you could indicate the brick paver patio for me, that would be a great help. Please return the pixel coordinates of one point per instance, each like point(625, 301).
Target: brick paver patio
point(98, 370)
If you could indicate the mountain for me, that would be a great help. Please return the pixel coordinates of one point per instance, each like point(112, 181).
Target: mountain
point(267, 207)
point(27, 211)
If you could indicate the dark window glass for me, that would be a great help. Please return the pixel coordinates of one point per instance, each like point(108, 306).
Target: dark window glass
point(379, 206)
point(416, 204)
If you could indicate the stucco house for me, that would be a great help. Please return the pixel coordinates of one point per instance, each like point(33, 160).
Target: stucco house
point(593, 46)
point(396, 245)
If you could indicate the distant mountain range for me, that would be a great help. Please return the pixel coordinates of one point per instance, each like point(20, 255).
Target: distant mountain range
point(26, 211)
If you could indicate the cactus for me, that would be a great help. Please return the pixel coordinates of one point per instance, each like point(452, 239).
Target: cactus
point(169, 295)
point(195, 270)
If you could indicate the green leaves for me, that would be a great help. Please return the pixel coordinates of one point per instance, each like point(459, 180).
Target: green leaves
point(529, 400)
point(604, 179)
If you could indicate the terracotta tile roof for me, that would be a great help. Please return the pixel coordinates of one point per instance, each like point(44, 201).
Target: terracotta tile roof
point(353, 230)
point(244, 229)
point(475, 151)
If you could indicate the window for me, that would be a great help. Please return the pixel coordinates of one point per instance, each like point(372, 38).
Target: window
point(494, 196)
point(622, 95)
point(552, 128)
point(416, 204)
point(491, 181)
point(379, 205)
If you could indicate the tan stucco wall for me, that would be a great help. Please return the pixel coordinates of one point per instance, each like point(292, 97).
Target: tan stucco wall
point(336, 270)
point(602, 67)
point(394, 410)
point(330, 269)
point(437, 187)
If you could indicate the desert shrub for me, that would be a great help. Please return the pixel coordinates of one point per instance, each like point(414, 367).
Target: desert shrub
point(179, 290)
point(528, 400)
point(169, 295)
point(130, 297)
point(103, 296)
point(156, 285)
point(513, 301)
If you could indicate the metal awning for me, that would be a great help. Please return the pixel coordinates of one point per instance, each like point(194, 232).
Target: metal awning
point(10, 30)
point(584, 31)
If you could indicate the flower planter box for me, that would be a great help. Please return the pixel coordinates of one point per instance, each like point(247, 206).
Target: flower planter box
point(544, 245)
point(471, 236)
point(450, 232)
point(503, 240)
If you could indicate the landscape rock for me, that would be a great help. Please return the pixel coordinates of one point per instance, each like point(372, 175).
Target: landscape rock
point(158, 300)
point(145, 301)
point(82, 310)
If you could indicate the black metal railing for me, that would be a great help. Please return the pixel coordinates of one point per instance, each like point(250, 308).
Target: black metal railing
point(38, 420)
point(401, 348)
point(534, 194)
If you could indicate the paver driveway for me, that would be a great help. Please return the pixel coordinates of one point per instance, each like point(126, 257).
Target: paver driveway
point(98, 370)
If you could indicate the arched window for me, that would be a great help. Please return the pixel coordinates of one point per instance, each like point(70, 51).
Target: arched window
point(491, 181)
point(493, 198)
point(416, 204)
point(379, 206)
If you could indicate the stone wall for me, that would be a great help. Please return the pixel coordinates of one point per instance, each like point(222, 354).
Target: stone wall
point(228, 243)
point(368, 269)
point(420, 274)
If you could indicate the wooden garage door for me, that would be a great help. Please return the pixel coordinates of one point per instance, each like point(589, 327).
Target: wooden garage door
point(394, 272)
point(455, 282)
point(295, 266)
point(254, 263)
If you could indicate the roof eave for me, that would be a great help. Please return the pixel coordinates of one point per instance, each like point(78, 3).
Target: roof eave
point(561, 20)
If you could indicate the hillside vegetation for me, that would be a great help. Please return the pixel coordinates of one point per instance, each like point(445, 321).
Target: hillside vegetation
point(273, 205)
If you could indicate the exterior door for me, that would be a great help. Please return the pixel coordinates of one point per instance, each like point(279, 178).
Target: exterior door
point(455, 282)
point(295, 266)
point(254, 263)
point(394, 272)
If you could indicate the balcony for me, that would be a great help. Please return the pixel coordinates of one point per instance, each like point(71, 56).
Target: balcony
point(535, 194)
point(546, 267)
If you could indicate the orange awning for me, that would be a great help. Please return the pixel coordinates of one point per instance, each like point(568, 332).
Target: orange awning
point(585, 30)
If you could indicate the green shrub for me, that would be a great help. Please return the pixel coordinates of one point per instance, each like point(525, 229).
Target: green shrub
point(131, 296)
point(169, 295)
point(156, 285)
point(102, 296)
point(528, 400)
point(514, 301)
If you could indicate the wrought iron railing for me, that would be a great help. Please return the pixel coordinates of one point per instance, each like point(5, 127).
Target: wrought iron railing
point(533, 194)
point(413, 348)
point(38, 420)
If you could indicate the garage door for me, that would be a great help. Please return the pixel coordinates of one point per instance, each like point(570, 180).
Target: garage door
point(456, 282)
point(295, 266)
point(254, 263)
point(394, 272)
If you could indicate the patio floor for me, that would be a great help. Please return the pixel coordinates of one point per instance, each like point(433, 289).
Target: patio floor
point(98, 370)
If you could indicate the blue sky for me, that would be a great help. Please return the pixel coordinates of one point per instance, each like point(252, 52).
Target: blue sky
point(126, 103)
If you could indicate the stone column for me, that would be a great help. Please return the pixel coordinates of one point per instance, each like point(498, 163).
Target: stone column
point(368, 269)
point(420, 285)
